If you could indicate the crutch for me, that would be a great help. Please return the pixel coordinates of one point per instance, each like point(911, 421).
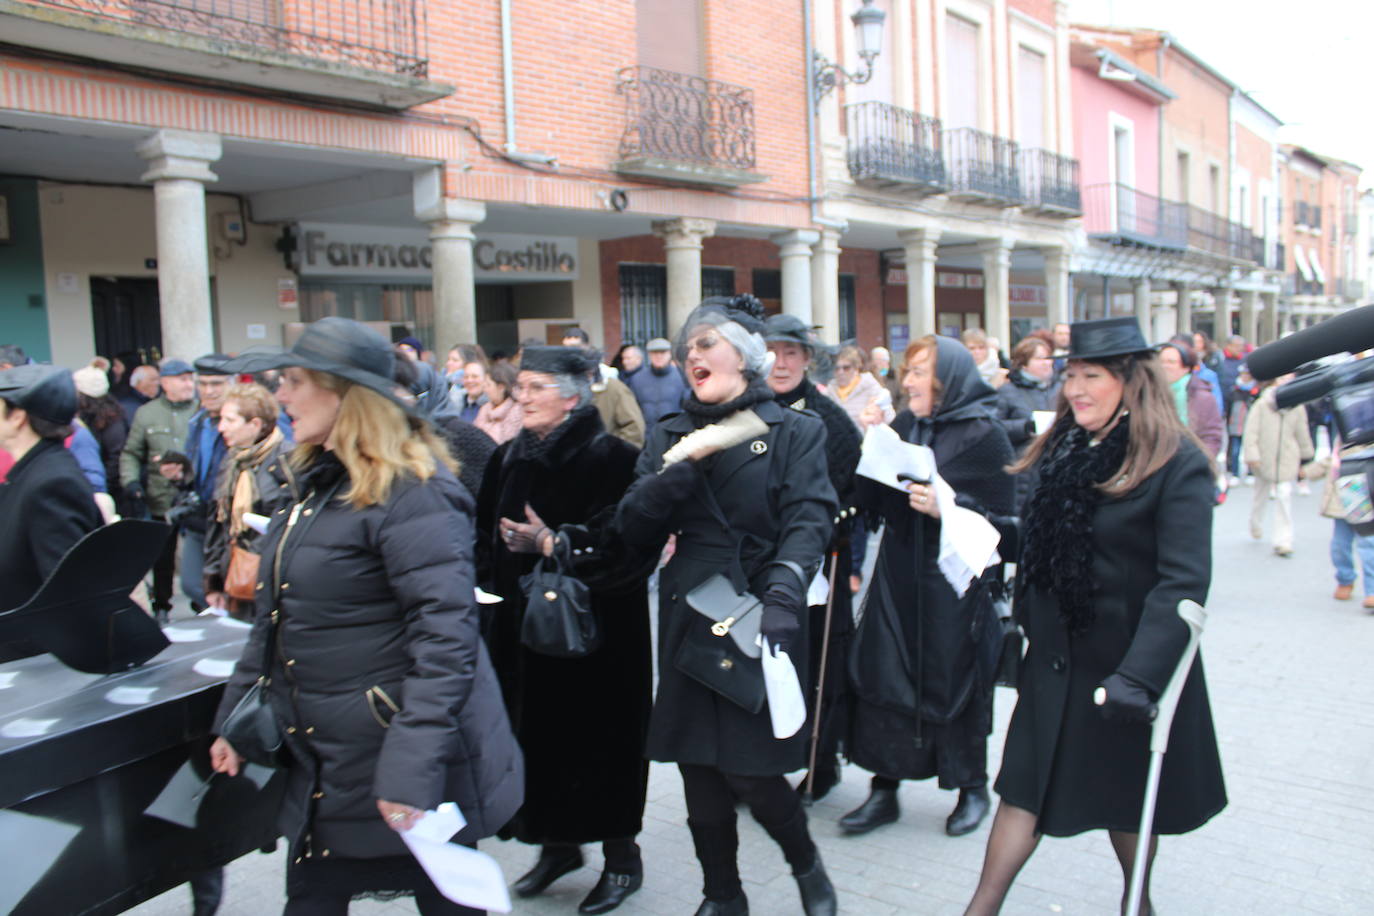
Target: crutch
point(1195, 616)
point(820, 682)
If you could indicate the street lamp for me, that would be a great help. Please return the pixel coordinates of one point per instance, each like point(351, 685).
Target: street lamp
point(868, 29)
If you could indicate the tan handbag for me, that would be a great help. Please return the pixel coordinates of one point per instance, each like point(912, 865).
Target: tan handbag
point(241, 581)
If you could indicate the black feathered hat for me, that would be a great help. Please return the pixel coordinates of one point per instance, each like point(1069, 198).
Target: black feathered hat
point(557, 360)
point(745, 310)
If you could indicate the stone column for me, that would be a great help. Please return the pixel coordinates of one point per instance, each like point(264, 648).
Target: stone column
point(1249, 319)
point(919, 247)
point(997, 289)
point(1057, 288)
point(1184, 309)
point(1221, 313)
point(1144, 314)
point(682, 240)
point(794, 250)
point(1271, 317)
point(179, 168)
point(825, 284)
point(455, 295)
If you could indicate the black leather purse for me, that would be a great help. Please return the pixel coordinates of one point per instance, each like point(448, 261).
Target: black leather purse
point(558, 608)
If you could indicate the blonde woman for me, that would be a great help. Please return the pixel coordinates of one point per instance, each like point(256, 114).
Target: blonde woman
point(861, 395)
point(375, 669)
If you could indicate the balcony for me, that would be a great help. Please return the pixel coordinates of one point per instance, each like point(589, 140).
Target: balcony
point(982, 167)
point(688, 128)
point(350, 50)
point(1122, 215)
point(896, 148)
point(1050, 183)
point(1219, 236)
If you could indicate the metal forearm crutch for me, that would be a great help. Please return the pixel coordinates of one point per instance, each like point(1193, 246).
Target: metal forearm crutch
point(1195, 616)
point(820, 681)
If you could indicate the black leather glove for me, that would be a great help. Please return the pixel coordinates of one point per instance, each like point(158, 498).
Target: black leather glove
point(783, 605)
point(660, 493)
point(134, 492)
point(1124, 699)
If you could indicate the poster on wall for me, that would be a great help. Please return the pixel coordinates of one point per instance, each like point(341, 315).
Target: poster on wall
point(898, 333)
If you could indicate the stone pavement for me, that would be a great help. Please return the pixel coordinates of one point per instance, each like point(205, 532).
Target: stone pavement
point(1294, 718)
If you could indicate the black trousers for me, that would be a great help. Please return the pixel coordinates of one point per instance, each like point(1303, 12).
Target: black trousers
point(164, 573)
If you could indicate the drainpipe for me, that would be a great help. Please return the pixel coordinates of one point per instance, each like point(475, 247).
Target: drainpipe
point(812, 151)
point(1159, 72)
point(508, 81)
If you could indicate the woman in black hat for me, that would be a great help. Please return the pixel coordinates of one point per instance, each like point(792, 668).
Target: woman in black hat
point(375, 667)
point(919, 673)
point(742, 481)
point(580, 721)
point(1117, 532)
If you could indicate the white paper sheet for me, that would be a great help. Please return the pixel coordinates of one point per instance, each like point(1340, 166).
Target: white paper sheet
point(885, 455)
point(463, 875)
point(786, 705)
point(130, 696)
point(1044, 419)
point(183, 634)
point(214, 667)
point(257, 522)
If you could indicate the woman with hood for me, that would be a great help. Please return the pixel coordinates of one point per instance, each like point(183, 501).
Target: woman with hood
point(921, 662)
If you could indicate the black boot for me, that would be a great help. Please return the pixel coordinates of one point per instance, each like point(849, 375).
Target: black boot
point(817, 893)
point(880, 808)
point(717, 846)
point(611, 891)
point(969, 812)
point(824, 777)
point(554, 862)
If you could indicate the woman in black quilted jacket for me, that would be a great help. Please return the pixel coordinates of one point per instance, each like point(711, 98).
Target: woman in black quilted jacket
point(377, 674)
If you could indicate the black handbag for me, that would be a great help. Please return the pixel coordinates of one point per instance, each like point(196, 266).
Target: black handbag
point(251, 726)
point(558, 609)
point(1011, 645)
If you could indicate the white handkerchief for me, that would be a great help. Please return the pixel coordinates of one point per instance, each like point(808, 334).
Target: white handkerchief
point(214, 667)
point(885, 456)
point(27, 728)
point(130, 696)
point(818, 592)
point(257, 522)
point(463, 875)
point(183, 634)
point(487, 597)
point(968, 542)
point(1044, 419)
point(786, 705)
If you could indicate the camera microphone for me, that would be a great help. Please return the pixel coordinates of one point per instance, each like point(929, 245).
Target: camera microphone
point(1349, 332)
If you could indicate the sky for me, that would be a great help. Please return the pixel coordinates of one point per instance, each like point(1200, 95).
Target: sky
point(1311, 63)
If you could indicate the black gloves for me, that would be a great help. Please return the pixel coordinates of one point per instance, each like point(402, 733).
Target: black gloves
point(1124, 699)
point(783, 605)
point(659, 494)
point(134, 491)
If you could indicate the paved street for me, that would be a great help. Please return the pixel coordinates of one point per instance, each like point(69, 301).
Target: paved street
point(1296, 726)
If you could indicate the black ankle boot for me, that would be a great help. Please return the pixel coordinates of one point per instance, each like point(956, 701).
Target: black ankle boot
point(611, 891)
point(817, 893)
point(969, 812)
point(880, 808)
point(554, 862)
point(824, 777)
point(739, 906)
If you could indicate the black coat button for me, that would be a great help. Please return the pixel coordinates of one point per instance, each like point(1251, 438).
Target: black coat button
point(1058, 665)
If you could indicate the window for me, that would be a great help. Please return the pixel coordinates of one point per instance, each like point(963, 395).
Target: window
point(768, 288)
point(1030, 98)
point(1184, 167)
point(962, 73)
point(643, 302)
point(848, 322)
point(668, 35)
point(717, 281)
point(1214, 188)
point(408, 306)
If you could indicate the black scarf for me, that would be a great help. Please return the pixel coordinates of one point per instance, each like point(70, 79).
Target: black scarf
point(529, 447)
point(1057, 555)
point(706, 414)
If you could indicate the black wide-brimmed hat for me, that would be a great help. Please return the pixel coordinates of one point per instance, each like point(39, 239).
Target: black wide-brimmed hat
point(338, 346)
point(1105, 337)
point(784, 328)
point(557, 360)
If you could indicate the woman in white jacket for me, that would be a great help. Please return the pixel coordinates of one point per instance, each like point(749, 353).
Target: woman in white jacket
point(1277, 444)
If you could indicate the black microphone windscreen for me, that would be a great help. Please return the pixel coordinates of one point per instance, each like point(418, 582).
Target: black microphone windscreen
point(1349, 332)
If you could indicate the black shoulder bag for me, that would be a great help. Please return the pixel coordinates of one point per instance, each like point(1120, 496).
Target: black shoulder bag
point(558, 608)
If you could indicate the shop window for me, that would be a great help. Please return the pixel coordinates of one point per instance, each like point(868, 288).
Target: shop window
point(849, 325)
point(717, 281)
point(643, 303)
point(405, 309)
point(768, 288)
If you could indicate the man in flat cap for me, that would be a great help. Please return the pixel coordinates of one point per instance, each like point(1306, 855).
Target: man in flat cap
point(205, 450)
point(46, 502)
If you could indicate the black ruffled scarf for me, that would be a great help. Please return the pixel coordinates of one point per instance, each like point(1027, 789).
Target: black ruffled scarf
point(1057, 554)
point(529, 447)
point(706, 414)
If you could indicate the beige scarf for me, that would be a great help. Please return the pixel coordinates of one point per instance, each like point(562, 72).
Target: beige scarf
point(244, 491)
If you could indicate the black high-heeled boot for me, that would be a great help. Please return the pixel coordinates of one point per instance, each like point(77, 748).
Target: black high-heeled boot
point(717, 847)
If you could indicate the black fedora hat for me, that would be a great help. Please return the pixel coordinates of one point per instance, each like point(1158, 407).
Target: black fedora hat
point(1105, 337)
point(338, 346)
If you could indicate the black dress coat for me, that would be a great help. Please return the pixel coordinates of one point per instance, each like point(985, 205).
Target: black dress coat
point(580, 721)
point(1063, 761)
point(774, 488)
point(1017, 400)
point(46, 506)
point(379, 675)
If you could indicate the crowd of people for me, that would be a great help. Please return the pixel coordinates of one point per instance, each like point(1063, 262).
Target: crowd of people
point(389, 487)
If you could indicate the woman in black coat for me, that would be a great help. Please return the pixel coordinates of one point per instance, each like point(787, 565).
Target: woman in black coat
point(1030, 387)
point(580, 721)
point(376, 670)
point(742, 481)
point(1118, 532)
point(920, 665)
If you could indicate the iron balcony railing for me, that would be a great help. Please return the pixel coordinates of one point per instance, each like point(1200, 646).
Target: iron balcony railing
point(892, 145)
point(1120, 213)
point(981, 164)
point(685, 118)
point(1050, 181)
point(389, 36)
point(1218, 235)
